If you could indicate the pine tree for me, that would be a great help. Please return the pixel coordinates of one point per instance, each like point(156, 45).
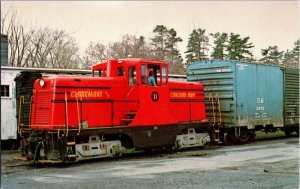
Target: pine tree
point(197, 46)
point(296, 50)
point(171, 46)
point(291, 58)
point(165, 48)
point(220, 40)
point(239, 48)
point(271, 55)
point(159, 41)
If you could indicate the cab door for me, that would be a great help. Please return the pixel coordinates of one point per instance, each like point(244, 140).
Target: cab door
point(154, 100)
point(131, 98)
point(154, 115)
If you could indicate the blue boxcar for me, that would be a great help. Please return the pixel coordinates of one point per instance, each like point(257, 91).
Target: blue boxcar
point(242, 97)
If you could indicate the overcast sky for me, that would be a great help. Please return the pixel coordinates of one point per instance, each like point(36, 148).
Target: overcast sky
point(267, 23)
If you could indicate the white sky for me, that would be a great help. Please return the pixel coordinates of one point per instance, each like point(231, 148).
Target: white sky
point(267, 23)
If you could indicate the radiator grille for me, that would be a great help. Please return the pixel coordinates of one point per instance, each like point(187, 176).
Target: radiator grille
point(43, 106)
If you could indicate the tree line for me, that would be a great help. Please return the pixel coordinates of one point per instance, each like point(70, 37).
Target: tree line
point(46, 47)
point(235, 47)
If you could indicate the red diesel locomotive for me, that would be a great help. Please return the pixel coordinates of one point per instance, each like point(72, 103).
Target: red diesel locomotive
point(78, 118)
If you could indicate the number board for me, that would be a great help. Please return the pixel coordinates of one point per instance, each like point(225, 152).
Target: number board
point(154, 96)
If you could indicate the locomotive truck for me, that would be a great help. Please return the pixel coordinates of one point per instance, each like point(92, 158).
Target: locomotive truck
point(77, 118)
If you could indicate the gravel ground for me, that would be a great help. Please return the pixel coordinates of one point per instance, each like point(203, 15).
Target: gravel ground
point(262, 164)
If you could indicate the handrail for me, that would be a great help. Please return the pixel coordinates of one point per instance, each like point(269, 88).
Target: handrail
point(211, 99)
point(128, 96)
point(67, 121)
point(129, 93)
point(30, 110)
point(58, 134)
point(79, 121)
point(19, 118)
point(217, 96)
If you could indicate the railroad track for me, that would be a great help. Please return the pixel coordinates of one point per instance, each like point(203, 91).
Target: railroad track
point(136, 155)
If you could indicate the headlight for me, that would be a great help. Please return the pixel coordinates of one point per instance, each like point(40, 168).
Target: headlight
point(42, 82)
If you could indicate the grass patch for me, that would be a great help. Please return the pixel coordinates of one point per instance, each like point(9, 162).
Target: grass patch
point(261, 134)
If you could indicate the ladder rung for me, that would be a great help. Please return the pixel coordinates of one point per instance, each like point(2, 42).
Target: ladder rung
point(71, 156)
point(130, 113)
point(126, 119)
point(70, 143)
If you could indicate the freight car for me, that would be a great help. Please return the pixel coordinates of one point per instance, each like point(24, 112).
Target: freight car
point(249, 97)
point(79, 118)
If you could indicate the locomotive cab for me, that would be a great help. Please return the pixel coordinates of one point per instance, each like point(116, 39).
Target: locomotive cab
point(144, 102)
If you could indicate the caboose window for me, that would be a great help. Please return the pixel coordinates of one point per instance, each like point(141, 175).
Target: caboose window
point(4, 90)
point(121, 71)
point(132, 75)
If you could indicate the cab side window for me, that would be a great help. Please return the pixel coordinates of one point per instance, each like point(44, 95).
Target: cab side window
point(158, 77)
point(164, 75)
point(132, 75)
point(144, 74)
point(121, 71)
point(98, 73)
point(155, 69)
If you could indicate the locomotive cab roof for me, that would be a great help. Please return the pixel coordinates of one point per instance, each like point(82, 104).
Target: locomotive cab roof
point(133, 68)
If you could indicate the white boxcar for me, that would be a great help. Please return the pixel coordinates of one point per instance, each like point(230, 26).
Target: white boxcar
point(8, 104)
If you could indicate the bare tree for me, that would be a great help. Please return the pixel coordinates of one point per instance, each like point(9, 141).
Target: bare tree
point(4, 15)
point(123, 48)
point(18, 39)
point(53, 48)
point(43, 47)
point(64, 53)
point(129, 45)
point(132, 46)
point(42, 43)
point(94, 53)
point(142, 49)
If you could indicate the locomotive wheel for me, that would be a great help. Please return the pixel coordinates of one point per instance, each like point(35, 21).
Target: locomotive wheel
point(287, 132)
point(226, 139)
point(37, 152)
point(252, 136)
point(176, 147)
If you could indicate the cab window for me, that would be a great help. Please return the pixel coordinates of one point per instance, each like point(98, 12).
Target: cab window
point(98, 73)
point(132, 75)
point(144, 74)
point(164, 75)
point(156, 71)
point(158, 77)
point(121, 71)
